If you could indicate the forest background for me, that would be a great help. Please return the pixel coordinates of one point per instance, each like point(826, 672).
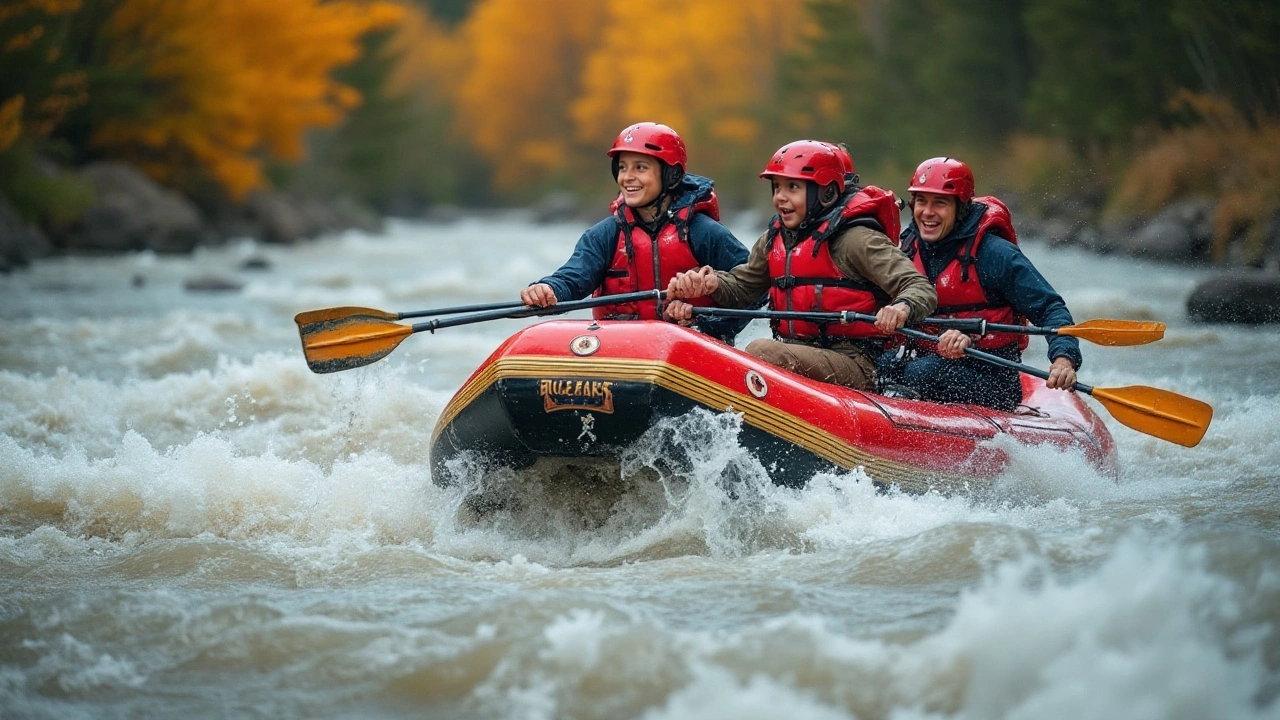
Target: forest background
point(1120, 106)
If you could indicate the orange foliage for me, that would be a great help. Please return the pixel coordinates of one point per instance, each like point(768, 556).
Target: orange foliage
point(10, 121)
point(537, 84)
point(430, 58)
point(704, 68)
point(237, 79)
point(48, 106)
point(520, 79)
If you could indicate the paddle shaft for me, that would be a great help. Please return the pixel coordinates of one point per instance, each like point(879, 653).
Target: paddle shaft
point(460, 309)
point(844, 317)
point(849, 316)
point(523, 311)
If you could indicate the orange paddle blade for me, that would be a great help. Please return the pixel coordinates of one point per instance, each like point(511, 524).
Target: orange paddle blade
point(347, 340)
point(1160, 413)
point(337, 313)
point(1116, 332)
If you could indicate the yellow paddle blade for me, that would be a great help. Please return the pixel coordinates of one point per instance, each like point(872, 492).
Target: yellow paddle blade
point(1159, 413)
point(337, 313)
point(1116, 332)
point(347, 340)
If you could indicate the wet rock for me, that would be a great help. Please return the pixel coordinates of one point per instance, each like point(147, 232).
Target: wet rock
point(286, 218)
point(211, 283)
point(256, 263)
point(1240, 295)
point(131, 212)
point(1112, 233)
point(556, 207)
point(1060, 231)
point(443, 214)
point(20, 243)
point(1181, 232)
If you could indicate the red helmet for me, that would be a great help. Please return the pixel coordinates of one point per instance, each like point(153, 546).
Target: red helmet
point(650, 138)
point(944, 176)
point(845, 158)
point(808, 160)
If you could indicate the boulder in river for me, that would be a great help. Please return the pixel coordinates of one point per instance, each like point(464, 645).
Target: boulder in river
point(132, 212)
point(211, 283)
point(1241, 295)
point(1181, 232)
point(19, 242)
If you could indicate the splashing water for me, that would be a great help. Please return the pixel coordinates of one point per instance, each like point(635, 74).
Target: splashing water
point(193, 523)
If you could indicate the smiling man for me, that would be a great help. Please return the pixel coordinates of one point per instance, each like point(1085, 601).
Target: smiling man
point(967, 247)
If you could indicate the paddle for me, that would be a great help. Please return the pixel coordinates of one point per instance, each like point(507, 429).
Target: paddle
point(341, 338)
point(337, 313)
point(1159, 413)
point(1101, 332)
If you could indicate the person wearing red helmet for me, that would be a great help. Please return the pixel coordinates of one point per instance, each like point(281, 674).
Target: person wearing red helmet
point(828, 249)
point(967, 247)
point(663, 221)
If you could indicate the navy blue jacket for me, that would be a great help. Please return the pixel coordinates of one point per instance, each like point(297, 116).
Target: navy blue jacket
point(711, 243)
point(1007, 277)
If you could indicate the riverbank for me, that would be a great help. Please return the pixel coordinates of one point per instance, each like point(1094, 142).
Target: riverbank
point(129, 213)
point(122, 210)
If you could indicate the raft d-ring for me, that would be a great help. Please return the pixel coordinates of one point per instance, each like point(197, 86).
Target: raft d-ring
point(756, 384)
point(584, 345)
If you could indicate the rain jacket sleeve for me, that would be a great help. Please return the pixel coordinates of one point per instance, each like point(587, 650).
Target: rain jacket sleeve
point(585, 269)
point(1007, 275)
point(746, 284)
point(863, 253)
point(713, 244)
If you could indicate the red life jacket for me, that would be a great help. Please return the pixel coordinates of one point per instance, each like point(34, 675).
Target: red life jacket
point(636, 266)
point(960, 293)
point(806, 278)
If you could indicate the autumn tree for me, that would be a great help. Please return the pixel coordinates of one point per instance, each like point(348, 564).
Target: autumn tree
point(705, 68)
point(38, 86)
point(235, 81)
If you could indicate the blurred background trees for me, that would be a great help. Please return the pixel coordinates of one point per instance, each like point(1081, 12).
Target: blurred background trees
point(1128, 104)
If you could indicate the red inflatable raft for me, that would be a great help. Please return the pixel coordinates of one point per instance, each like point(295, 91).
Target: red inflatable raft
point(578, 389)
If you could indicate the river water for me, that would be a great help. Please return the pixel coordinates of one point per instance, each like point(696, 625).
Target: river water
point(193, 524)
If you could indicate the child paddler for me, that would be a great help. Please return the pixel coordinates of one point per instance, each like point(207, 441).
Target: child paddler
point(828, 249)
point(663, 222)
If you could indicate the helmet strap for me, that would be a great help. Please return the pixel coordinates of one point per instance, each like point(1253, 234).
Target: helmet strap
point(819, 200)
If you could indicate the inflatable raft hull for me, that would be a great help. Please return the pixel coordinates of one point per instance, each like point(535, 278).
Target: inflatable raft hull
point(578, 390)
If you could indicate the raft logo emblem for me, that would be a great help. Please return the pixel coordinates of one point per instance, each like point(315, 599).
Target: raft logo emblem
point(577, 395)
point(756, 384)
point(584, 345)
point(588, 424)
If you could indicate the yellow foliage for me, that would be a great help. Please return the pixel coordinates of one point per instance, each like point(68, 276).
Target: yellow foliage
point(705, 68)
point(10, 121)
point(536, 85)
point(238, 79)
point(520, 76)
point(430, 58)
point(1224, 157)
